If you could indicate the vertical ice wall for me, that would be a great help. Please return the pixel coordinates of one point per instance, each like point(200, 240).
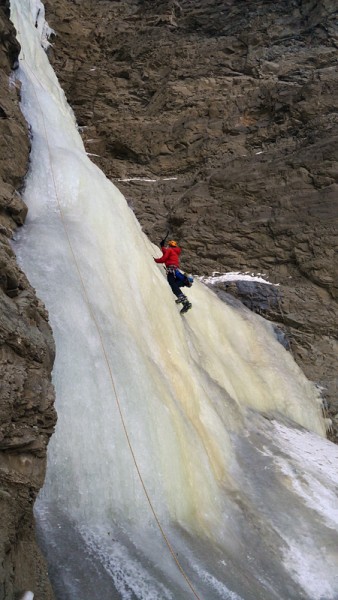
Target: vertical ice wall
point(189, 388)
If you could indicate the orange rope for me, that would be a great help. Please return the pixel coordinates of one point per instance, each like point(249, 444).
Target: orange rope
point(106, 357)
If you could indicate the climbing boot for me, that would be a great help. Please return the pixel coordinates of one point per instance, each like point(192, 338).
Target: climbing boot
point(186, 306)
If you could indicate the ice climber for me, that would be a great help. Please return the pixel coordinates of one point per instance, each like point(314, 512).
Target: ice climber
point(176, 279)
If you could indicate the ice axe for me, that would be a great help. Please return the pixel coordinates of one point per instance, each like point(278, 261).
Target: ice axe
point(162, 242)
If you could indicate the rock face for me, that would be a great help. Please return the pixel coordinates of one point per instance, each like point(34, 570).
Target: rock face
point(26, 358)
point(232, 108)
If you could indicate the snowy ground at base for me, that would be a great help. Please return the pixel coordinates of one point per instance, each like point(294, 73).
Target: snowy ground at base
point(235, 276)
point(313, 474)
point(313, 452)
point(306, 573)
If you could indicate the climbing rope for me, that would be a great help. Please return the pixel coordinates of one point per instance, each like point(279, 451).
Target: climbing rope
point(86, 297)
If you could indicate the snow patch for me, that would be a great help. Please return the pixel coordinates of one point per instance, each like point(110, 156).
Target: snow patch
point(305, 569)
point(311, 465)
point(315, 494)
point(223, 591)
point(147, 180)
point(315, 454)
point(235, 276)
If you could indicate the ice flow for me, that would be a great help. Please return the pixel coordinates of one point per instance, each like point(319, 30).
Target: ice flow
point(198, 397)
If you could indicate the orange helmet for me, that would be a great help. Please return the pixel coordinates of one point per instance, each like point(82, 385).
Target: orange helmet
point(172, 243)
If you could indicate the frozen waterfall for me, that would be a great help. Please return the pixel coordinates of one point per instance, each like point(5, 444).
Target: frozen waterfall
point(234, 494)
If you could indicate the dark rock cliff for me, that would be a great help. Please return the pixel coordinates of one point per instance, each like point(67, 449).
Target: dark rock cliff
point(236, 104)
point(27, 416)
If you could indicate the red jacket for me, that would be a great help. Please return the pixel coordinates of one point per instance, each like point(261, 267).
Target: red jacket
point(170, 256)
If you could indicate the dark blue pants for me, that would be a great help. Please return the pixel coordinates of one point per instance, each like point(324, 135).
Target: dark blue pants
point(175, 284)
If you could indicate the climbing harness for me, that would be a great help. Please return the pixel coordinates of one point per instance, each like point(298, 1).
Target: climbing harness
point(180, 276)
